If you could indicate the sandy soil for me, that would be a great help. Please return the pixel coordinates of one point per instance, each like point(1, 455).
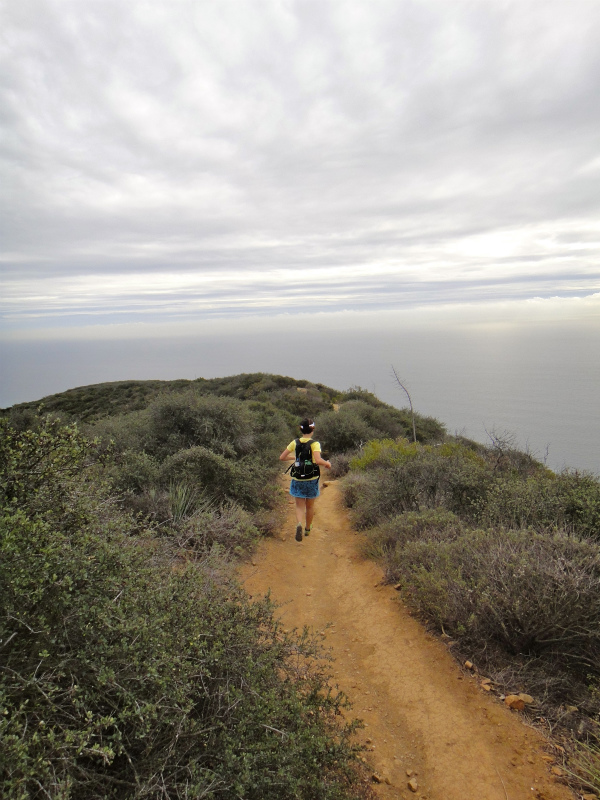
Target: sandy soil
point(423, 713)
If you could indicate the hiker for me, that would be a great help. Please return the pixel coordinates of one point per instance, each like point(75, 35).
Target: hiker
point(304, 487)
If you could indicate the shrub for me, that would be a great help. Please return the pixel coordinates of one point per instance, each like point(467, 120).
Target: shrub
point(530, 593)
point(403, 476)
point(387, 541)
point(186, 420)
point(340, 465)
point(246, 481)
point(544, 501)
point(124, 678)
point(345, 429)
point(230, 528)
point(133, 471)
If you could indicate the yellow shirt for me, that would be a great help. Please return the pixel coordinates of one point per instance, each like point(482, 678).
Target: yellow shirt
point(315, 447)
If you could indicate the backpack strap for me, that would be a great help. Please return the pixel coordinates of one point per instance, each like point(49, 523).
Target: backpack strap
point(297, 443)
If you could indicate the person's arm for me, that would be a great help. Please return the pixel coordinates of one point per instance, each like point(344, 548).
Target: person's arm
point(321, 461)
point(318, 459)
point(287, 455)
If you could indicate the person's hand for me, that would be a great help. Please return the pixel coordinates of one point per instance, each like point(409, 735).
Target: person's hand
point(328, 464)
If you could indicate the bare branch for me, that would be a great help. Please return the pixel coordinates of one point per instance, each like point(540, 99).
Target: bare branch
point(412, 413)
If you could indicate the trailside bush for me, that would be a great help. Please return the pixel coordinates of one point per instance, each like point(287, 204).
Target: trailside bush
point(186, 420)
point(246, 480)
point(386, 542)
point(357, 422)
point(230, 528)
point(570, 501)
point(345, 429)
point(533, 594)
point(124, 678)
point(402, 476)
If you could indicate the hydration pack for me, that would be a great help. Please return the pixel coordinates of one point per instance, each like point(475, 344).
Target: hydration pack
point(303, 467)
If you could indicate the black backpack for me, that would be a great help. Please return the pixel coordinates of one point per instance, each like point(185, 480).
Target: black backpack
point(303, 467)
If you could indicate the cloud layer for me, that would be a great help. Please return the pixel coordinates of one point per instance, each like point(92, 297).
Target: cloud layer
point(190, 158)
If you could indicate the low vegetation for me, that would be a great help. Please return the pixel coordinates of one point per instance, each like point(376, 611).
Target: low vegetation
point(132, 664)
point(500, 555)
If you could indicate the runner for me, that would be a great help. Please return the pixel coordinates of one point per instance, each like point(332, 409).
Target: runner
point(304, 486)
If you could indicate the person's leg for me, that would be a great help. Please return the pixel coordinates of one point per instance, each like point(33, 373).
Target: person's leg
point(300, 516)
point(310, 512)
point(301, 509)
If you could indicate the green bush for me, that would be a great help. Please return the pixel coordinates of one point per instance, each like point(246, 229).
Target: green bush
point(401, 476)
point(246, 481)
point(122, 677)
point(230, 528)
point(544, 501)
point(530, 593)
point(186, 420)
point(133, 471)
point(357, 422)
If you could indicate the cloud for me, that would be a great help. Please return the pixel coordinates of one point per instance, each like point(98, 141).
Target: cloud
point(190, 158)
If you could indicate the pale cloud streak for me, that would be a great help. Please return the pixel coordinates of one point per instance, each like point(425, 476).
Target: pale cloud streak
point(190, 158)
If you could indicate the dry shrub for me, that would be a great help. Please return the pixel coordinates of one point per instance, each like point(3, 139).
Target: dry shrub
point(403, 476)
point(340, 465)
point(531, 594)
point(230, 528)
point(386, 541)
point(355, 489)
point(545, 500)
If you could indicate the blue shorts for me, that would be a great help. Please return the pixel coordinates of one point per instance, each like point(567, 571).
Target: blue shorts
point(304, 489)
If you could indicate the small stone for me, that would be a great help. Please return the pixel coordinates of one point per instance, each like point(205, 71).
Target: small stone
point(486, 686)
point(485, 681)
point(526, 698)
point(369, 741)
point(397, 586)
point(376, 778)
point(410, 773)
point(550, 759)
point(556, 771)
point(469, 664)
point(571, 709)
point(413, 785)
point(588, 797)
point(514, 701)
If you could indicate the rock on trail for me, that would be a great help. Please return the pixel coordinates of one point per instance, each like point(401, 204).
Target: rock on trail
point(429, 732)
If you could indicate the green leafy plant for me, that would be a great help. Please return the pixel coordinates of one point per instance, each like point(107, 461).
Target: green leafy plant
point(124, 677)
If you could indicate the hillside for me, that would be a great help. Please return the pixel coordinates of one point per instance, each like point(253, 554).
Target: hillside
point(125, 509)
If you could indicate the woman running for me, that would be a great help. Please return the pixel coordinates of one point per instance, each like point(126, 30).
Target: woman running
point(304, 487)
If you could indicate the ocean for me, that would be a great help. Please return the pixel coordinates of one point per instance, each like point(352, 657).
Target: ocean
point(538, 384)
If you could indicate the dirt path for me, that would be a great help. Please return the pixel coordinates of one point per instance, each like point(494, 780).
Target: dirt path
point(422, 713)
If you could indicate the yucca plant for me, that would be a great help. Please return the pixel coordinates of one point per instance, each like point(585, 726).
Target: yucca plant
point(183, 501)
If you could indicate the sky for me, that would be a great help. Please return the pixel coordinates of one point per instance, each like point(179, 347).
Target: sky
point(181, 169)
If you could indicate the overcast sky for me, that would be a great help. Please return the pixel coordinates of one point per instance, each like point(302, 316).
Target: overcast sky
point(172, 161)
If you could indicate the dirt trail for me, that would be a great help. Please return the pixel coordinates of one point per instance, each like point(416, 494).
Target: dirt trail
point(422, 713)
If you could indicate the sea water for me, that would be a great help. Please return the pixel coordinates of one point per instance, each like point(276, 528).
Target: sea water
point(536, 384)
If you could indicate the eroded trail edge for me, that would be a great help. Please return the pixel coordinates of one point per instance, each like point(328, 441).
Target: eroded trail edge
point(423, 716)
